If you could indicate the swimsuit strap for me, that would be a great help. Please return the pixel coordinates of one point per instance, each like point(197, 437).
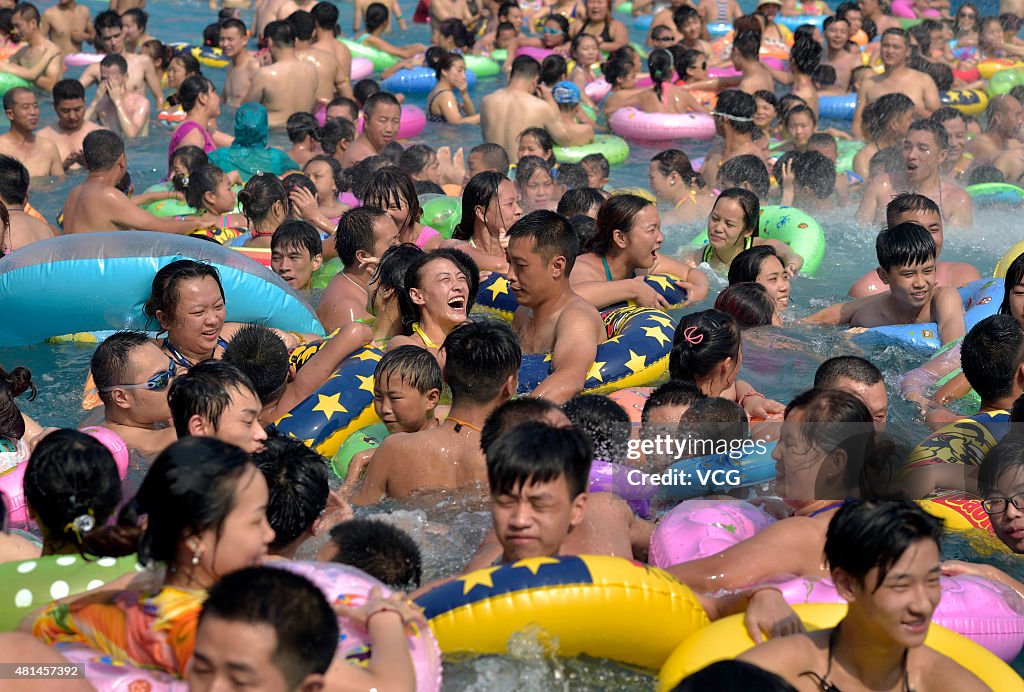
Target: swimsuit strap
point(827, 685)
point(827, 508)
point(748, 243)
point(430, 101)
point(176, 355)
point(607, 269)
point(709, 252)
point(426, 339)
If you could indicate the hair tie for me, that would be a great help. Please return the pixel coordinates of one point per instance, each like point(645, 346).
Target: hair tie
point(692, 336)
point(184, 180)
point(81, 525)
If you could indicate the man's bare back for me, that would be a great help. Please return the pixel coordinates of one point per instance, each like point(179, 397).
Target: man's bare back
point(343, 57)
point(284, 88)
point(506, 112)
point(918, 86)
point(96, 206)
point(756, 78)
point(326, 69)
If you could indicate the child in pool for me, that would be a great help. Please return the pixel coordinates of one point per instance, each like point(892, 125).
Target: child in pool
point(328, 176)
point(598, 169)
point(208, 191)
point(906, 259)
point(733, 228)
point(378, 548)
point(296, 252)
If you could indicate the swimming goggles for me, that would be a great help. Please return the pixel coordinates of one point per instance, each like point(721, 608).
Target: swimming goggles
point(734, 118)
point(156, 383)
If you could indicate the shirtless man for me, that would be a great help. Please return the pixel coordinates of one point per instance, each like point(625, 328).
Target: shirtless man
point(382, 114)
point(288, 84)
point(837, 54)
point(97, 204)
point(141, 72)
point(884, 559)
point(906, 263)
point(552, 318)
point(266, 12)
point(872, 9)
point(325, 19)
point(481, 366)
point(897, 78)
point(924, 150)
point(40, 60)
point(72, 126)
point(363, 235)
point(1005, 116)
point(918, 209)
point(132, 376)
point(233, 37)
point(734, 123)
point(39, 155)
point(756, 77)
point(324, 61)
point(135, 22)
point(449, 9)
point(68, 25)
point(507, 112)
point(116, 108)
point(24, 229)
point(292, 6)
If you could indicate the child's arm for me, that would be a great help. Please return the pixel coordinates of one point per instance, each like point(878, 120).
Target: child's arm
point(948, 311)
point(951, 568)
point(840, 313)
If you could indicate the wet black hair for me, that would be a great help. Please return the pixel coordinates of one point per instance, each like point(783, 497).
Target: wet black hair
point(355, 233)
point(748, 302)
point(415, 366)
point(991, 355)
point(192, 158)
point(299, 234)
point(733, 676)
point(394, 263)
point(302, 25)
point(702, 341)
point(512, 413)
point(815, 171)
point(67, 90)
point(205, 391)
point(334, 132)
point(571, 176)
point(675, 161)
point(164, 293)
point(937, 130)
point(376, 16)
point(381, 98)
point(202, 180)
point(906, 202)
point(413, 276)
point(904, 245)
point(552, 236)
point(14, 181)
point(301, 125)
point(262, 357)
point(391, 186)
point(671, 393)
point(192, 88)
point(380, 549)
point(747, 265)
point(617, 213)
point(480, 358)
point(806, 55)
point(603, 422)
point(260, 194)
point(101, 149)
point(280, 32)
point(297, 480)
point(853, 368)
point(534, 452)
point(579, 200)
point(111, 359)
point(748, 203)
point(747, 169)
point(480, 191)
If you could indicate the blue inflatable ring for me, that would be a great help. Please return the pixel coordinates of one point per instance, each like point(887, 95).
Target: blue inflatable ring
point(418, 80)
point(837, 107)
point(752, 469)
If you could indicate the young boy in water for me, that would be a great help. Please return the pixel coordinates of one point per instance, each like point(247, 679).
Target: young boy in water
point(884, 560)
point(598, 169)
point(906, 258)
point(296, 252)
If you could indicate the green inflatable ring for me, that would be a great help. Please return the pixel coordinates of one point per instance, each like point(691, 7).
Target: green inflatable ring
point(499, 54)
point(847, 149)
point(441, 213)
point(996, 193)
point(380, 59)
point(907, 22)
point(625, 8)
point(1003, 81)
point(369, 437)
point(614, 149)
point(789, 225)
point(971, 400)
point(326, 272)
point(9, 81)
point(166, 208)
point(482, 66)
point(31, 584)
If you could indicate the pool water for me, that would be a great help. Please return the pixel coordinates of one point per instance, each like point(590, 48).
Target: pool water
point(779, 363)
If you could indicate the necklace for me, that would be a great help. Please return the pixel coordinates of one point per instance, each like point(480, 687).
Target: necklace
point(355, 283)
point(460, 423)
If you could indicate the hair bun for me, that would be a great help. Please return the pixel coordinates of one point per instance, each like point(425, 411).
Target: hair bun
point(19, 381)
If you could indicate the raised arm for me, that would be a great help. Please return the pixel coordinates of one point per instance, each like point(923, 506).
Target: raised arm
point(320, 367)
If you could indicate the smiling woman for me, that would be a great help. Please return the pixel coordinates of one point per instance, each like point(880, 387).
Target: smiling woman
point(439, 290)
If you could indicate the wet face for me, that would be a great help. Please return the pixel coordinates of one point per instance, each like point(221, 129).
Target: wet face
point(921, 156)
point(147, 363)
point(243, 537)
point(765, 113)
point(198, 316)
point(644, 240)
point(113, 39)
point(991, 34)
point(400, 406)
point(539, 192)
point(929, 219)
point(530, 276)
point(588, 51)
point(967, 18)
point(725, 225)
point(1009, 525)
point(855, 19)
point(222, 199)
point(837, 35)
point(911, 284)
point(25, 112)
point(503, 210)
point(515, 17)
point(343, 110)
point(1011, 114)
point(552, 35)
point(692, 29)
point(112, 75)
point(874, 397)
point(775, 279)
point(530, 146)
point(901, 606)
point(23, 27)
point(798, 462)
point(239, 424)
point(431, 172)
point(800, 127)
point(235, 655)
point(398, 210)
point(131, 30)
point(294, 265)
point(664, 186)
point(595, 177)
point(443, 292)
point(456, 75)
point(894, 51)
point(381, 128)
point(70, 114)
point(1017, 302)
point(597, 10)
point(176, 74)
point(956, 130)
point(232, 41)
point(322, 176)
point(385, 235)
point(534, 519)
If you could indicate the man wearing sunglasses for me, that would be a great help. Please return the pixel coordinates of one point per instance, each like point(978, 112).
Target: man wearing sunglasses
point(132, 375)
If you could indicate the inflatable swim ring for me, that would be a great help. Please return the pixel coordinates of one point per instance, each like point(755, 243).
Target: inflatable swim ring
point(211, 56)
point(596, 605)
point(794, 22)
point(343, 405)
point(636, 353)
point(988, 68)
point(632, 400)
point(171, 119)
point(965, 441)
point(417, 80)
point(1007, 259)
point(380, 59)
point(637, 125)
point(326, 272)
point(82, 59)
point(626, 482)
point(967, 101)
point(104, 672)
point(959, 510)
point(719, 29)
point(699, 528)
point(723, 472)
point(412, 122)
point(9, 81)
point(614, 149)
point(727, 638)
point(369, 437)
point(981, 299)
point(481, 66)
point(1003, 81)
point(440, 212)
point(361, 69)
point(599, 88)
point(31, 584)
point(837, 107)
point(996, 193)
point(59, 285)
point(794, 227)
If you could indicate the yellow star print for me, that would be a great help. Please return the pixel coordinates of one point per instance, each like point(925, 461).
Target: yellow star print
point(481, 577)
point(595, 371)
point(366, 383)
point(663, 320)
point(636, 363)
point(499, 287)
point(367, 354)
point(329, 405)
point(535, 563)
point(657, 333)
point(661, 280)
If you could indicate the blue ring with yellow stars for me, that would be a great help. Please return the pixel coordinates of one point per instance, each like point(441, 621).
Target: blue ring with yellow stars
point(495, 297)
point(635, 354)
point(598, 605)
point(341, 406)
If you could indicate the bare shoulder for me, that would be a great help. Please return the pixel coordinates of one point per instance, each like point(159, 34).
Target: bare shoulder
point(579, 312)
point(789, 656)
point(940, 672)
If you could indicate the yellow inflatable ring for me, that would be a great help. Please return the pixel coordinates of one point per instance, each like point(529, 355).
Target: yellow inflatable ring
point(1007, 259)
point(958, 510)
point(728, 638)
point(967, 101)
point(596, 605)
point(989, 67)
